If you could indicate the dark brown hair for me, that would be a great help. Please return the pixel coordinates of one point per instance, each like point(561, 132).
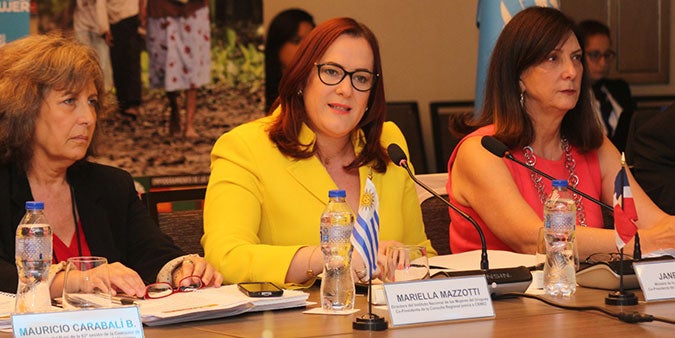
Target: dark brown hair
point(588, 28)
point(285, 130)
point(29, 69)
point(525, 42)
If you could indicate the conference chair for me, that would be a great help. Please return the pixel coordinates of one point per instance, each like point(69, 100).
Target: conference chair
point(646, 108)
point(441, 114)
point(434, 212)
point(407, 118)
point(185, 222)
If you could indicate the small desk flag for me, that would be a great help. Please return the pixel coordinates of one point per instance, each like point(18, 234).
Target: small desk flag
point(365, 233)
point(624, 210)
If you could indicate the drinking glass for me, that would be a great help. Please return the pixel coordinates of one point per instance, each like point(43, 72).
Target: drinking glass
point(406, 263)
point(87, 283)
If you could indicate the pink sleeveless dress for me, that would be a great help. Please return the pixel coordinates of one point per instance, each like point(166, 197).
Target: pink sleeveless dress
point(463, 236)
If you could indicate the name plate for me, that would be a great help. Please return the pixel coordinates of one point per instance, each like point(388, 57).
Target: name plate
point(438, 300)
point(657, 279)
point(114, 322)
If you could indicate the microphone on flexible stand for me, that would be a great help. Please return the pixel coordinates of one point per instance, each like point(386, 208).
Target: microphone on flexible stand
point(499, 149)
point(618, 297)
point(502, 280)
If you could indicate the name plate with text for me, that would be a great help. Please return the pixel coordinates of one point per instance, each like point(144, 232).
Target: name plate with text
point(438, 300)
point(114, 322)
point(657, 279)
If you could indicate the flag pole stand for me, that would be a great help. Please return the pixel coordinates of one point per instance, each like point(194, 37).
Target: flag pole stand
point(370, 321)
point(621, 297)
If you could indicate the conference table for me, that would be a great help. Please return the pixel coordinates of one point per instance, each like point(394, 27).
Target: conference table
point(517, 317)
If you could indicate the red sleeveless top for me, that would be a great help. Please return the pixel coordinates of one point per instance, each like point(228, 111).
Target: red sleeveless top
point(463, 236)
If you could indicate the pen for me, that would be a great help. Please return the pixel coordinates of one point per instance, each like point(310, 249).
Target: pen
point(430, 266)
point(190, 308)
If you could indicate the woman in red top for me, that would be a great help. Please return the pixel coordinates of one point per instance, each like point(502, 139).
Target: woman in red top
point(51, 91)
point(537, 103)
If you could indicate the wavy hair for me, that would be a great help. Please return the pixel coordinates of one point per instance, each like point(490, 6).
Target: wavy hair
point(31, 67)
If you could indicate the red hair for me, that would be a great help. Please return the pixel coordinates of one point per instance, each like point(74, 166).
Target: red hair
point(285, 130)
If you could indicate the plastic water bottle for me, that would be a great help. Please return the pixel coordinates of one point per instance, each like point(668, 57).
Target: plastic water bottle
point(33, 257)
point(337, 285)
point(560, 215)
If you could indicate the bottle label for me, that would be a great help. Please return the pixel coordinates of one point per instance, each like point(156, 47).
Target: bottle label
point(560, 221)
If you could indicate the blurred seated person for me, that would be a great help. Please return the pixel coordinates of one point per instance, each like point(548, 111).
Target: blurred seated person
point(538, 105)
point(286, 31)
point(51, 91)
point(653, 151)
point(270, 178)
point(611, 98)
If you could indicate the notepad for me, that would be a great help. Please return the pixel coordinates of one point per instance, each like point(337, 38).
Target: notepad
point(209, 303)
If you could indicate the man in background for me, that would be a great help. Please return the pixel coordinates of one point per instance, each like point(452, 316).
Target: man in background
point(612, 99)
point(125, 54)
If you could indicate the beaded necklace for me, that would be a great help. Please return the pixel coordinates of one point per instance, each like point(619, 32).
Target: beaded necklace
point(573, 180)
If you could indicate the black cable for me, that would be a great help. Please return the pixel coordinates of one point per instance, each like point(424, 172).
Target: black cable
point(632, 317)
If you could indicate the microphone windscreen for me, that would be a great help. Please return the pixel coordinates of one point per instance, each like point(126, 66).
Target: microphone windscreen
point(494, 146)
point(396, 154)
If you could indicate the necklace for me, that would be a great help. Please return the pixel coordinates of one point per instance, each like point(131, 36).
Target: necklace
point(573, 179)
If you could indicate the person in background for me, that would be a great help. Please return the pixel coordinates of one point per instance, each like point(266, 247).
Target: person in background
point(538, 104)
point(90, 26)
point(611, 98)
point(653, 154)
point(270, 178)
point(125, 54)
point(284, 35)
point(178, 40)
point(51, 91)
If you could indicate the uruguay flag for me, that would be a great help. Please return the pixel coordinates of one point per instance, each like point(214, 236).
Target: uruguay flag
point(624, 210)
point(365, 232)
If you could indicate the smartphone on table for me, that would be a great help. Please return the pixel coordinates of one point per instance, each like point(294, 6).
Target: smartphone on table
point(260, 289)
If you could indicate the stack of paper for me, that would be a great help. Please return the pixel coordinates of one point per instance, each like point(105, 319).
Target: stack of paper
point(211, 303)
point(6, 308)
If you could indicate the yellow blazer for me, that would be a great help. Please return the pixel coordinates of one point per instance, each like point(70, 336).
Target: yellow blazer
point(262, 206)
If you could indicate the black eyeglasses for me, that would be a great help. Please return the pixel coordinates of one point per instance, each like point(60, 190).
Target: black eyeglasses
point(595, 55)
point(161, 290)
point(332, 74)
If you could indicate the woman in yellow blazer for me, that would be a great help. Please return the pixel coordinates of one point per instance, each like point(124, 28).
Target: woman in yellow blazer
point(270, 178)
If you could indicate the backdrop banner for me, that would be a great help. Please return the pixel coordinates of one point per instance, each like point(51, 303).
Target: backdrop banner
point(14, 20)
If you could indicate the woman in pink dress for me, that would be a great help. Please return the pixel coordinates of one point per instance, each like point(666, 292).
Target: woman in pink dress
point(537, 103)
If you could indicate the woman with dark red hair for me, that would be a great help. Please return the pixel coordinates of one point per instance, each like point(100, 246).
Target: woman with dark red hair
point(270, 178)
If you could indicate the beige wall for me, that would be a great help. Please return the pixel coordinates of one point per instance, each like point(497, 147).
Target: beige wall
point(429, 47)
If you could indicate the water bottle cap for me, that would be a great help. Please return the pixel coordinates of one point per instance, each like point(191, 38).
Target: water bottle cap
point(337, 193)
point(35, 205)
point(560, 183)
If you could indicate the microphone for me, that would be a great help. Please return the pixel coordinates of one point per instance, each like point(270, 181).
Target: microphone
point(499, 149)
point(502, 280)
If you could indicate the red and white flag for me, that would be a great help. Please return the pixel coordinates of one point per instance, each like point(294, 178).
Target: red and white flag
point(625, 214)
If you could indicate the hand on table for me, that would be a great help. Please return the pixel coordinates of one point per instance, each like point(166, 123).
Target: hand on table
point(194, 265)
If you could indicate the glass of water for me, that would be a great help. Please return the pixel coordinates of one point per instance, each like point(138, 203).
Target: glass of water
point(87, 283)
